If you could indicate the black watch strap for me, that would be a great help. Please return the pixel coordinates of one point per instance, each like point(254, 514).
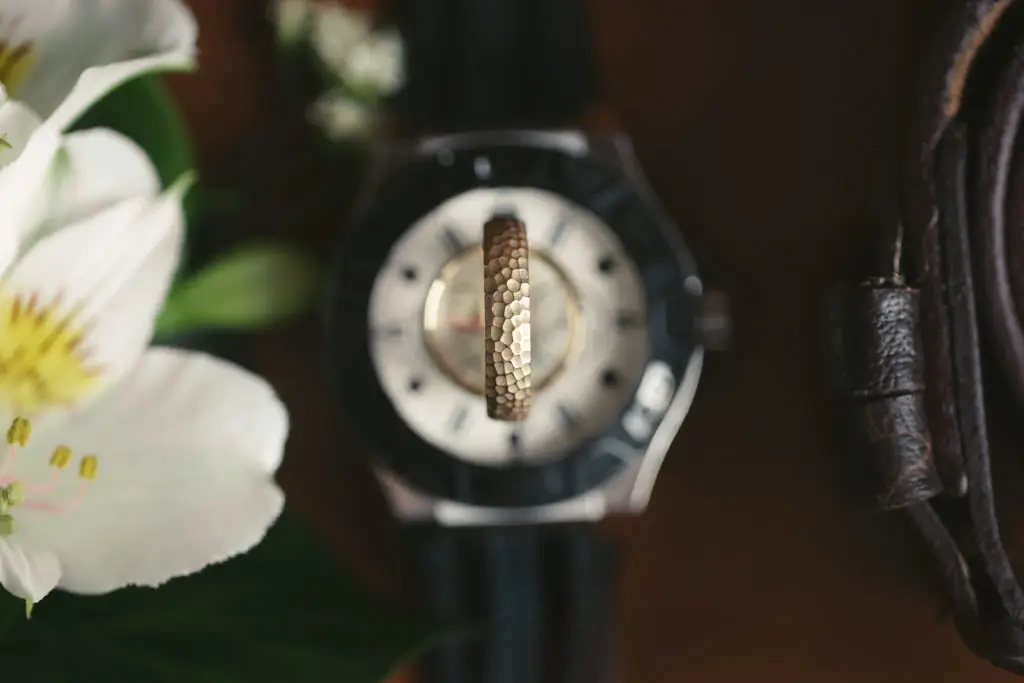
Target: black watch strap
point(537, 601)
point(489, 64)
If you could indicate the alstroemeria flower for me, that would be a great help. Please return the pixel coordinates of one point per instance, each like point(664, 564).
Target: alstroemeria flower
point(58, 57)
point(142, 464)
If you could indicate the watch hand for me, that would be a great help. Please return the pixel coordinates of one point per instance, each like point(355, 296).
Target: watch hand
point(475, 324)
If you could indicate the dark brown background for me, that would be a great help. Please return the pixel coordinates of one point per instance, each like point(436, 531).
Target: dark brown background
point(762, 125)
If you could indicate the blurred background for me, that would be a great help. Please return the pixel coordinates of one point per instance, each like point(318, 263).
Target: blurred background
point(766, 129)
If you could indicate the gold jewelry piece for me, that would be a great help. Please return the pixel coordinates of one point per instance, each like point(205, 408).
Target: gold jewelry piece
point(508, 385)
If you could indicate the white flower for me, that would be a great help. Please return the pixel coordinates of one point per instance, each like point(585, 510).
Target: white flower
point(290, 19)
point(340, 117)
point(359, 56)
point(336, 29)
point(376, 63)
point(58, 57)
point(173, 452)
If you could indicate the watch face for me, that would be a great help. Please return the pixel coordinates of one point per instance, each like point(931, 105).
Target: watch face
point(590, 341)
point(613, 316)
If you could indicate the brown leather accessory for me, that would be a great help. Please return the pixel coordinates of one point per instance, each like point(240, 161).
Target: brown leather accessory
point(909, 340)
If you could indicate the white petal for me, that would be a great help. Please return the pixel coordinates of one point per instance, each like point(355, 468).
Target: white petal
point(187, 446)
point(115, 268)
point(17, 123)
point(25, 191)
point(81, 49)
point(98, 169)
point(98, 81)
point(26, 571)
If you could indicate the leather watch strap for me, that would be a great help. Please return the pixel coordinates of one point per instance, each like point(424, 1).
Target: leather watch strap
point(489, 64)
point(909, 340)
point(536, 599)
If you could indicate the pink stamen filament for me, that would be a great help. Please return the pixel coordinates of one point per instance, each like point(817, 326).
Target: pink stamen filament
point(5, 468)
point(55, 507)
point(44, 488)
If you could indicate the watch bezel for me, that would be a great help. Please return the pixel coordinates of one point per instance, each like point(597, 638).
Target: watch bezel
point(445, 167)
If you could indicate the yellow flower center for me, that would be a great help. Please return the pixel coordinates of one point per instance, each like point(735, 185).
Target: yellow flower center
point(15, 493)
point(42, 362)
point(15, 64)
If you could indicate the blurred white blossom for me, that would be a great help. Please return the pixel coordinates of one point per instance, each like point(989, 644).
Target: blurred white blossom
point(291, 20)
point(364, 63)
point(341, 117)
point(336, 29)
point(361, 57)
point(375, 63)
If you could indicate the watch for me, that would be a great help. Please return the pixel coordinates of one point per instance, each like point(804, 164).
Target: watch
point(503, 514)
point(943, 305)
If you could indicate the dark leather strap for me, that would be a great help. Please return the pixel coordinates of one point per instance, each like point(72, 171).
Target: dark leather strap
point(488, 64)
point(909, 340)
point(537, 600)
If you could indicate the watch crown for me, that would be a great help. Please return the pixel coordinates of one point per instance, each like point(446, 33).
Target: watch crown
point(714, 321)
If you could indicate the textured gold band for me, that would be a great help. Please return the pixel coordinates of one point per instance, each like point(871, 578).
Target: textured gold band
point(507, 320)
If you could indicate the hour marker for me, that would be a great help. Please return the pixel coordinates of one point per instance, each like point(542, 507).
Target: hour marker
point(558, 232)
point(569, 418)
point(606, 265)
point(409, 274)
point(627, 320)
point(452, 240)
point(610, 379)
point(387, 331)
point(415, 384)
point(482, 167)
point(515, 446)
point(504, 208)
point(508, 212)
point(459, 419)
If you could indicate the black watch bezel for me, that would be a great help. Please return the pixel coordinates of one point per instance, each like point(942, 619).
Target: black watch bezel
point(435, 174)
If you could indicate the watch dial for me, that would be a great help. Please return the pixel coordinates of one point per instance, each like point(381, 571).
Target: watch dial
point(590, 341)
point(453, 319)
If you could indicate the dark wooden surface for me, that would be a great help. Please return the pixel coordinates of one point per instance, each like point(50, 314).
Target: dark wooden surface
point(764, 127)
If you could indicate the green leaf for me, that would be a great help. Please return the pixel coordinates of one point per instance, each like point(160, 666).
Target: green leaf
point(12, 612)
point(254, 286)
point(283, 612)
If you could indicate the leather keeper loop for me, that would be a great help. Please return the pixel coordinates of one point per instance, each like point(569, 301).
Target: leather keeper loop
point(891, 434)
point(880, 378)
point(881, 343)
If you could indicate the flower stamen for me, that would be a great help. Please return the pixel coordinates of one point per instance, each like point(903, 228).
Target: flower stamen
point(19, 431)
point(16, 61)
point(48, 487)
point(8, 463)
point(14, 493)
point(43, 361)
point(58, 508)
